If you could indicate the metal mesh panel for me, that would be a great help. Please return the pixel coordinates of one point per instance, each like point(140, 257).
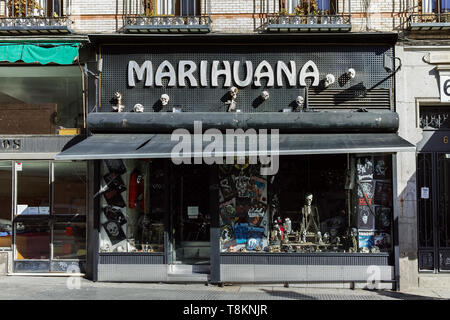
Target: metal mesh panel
point(368, 62)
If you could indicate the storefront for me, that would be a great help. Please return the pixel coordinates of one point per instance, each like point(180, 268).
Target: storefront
point(43, 202)
point(324, 212)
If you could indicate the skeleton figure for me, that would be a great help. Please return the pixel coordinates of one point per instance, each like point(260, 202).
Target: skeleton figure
point(265, 95)
point(164, 99)
point(138, 107)
point(299, 101)
point(310, 216)
point(119, 107)
point(232, 104)
point(329, 80)
point(351, 73)
point(380, 168)
point(242, 185)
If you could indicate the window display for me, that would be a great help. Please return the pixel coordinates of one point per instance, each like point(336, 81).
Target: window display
point(315, 203)
point(128, 222)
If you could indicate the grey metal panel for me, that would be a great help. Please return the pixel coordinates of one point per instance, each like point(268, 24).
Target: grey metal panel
point(36, 147)
point(131, 259)
point(301, 273)
point(126, 146)
point(367, 60)
point(318, 259)
point(132, 272)
point(285, 122)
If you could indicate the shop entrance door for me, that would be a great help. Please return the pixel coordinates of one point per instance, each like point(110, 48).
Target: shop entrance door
point(434, 211)
point(49, 221)
point(190, 217)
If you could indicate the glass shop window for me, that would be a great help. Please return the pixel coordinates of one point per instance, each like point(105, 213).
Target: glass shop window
point(317, 203)
point(40, 100)
point(5, 204)
point(69, 188)
point(132, 206)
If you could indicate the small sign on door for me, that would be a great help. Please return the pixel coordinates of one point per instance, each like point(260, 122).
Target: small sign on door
point(18, 166)
point(425, 193)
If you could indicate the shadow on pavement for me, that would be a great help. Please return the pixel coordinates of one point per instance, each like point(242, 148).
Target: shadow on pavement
point(403, 296)
point(288, 295)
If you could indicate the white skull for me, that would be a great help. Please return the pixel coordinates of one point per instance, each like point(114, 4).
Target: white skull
point(329, 80)
point(138, 107)
point(265, 95)
point(351, 73)
point(299, 101)
point(164, 99)
point(117, 95)
point(113, 229)
point(309, 199)
point(233, 91)
point(365, 216)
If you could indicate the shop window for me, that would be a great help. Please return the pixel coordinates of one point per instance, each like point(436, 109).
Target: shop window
point(40, 100)
point(318, 203)
point(69, 188)
point(5, 204)
point(69, 241)
point(33, 189)
point(128, 222)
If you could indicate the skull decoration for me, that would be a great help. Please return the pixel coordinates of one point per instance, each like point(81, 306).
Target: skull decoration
point(120, 249)
point(365, 216)
point(308, 199)
point(329, 80)
point(299, 101)
point(233, 91)
point(164, 99)
point(265, 95)
point(113, 229)
point(138, 107)
point(119, 106)
point(351, 73)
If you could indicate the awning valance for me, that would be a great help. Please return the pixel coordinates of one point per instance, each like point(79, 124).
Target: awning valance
point(43, 53)
point(132, 146)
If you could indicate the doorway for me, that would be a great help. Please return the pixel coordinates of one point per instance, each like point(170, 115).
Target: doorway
point(190, 216)
point(49, 218)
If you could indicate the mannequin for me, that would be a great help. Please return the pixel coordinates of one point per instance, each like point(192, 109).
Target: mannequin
point(310, 217)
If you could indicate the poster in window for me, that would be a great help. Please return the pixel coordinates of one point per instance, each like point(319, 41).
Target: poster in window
point(255, 237)
point(116, 166)
point(227, 213)
point(227, 189)
point(383, 193)
point(366, 239)
point(114, 181)
point(243, 205)
point(227, 237)
point(256, 215)
point(365, 193)
point(257, 190)
point(114, 198)
point(114, 214)
point(241, 232)
point(366, 219)
point(382, 240)
point(364, 167)
point(382, 169)
point(383, 217)
point(114, 231)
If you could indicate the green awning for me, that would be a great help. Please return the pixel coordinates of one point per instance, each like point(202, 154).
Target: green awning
point(43, 53)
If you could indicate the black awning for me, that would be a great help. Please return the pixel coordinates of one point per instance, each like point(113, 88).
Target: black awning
point(129, 146)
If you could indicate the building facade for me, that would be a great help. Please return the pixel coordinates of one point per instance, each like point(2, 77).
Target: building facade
point(338, 79)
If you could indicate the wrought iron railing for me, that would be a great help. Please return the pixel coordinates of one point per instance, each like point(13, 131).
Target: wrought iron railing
point(142, 20)
point(429, 18)
point(32, 13)
point(309, 19)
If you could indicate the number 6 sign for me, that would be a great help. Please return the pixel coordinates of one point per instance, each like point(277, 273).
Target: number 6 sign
point(445, 88)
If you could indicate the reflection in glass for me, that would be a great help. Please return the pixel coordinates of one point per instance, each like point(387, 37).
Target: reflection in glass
point(5, 203)
point(33, 188)
point(69, 195)
point(32, 240)
point(69, 241)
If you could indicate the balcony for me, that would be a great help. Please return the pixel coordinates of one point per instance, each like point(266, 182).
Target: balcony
point(33, 17)
point(165, 16)
point(309, 16)
point(429, 21)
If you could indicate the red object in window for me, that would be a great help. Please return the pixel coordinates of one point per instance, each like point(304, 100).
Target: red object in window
point(68, 231)
point(136, 190)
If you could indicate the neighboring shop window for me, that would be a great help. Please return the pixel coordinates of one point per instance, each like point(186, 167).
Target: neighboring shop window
point(5, 204)
point(317, 203)
point(40, 100)
point(132, 206)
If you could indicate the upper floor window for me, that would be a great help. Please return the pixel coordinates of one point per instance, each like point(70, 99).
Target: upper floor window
point(173, 7)
point(32, 8)
point(309, 7)
point(435, 6)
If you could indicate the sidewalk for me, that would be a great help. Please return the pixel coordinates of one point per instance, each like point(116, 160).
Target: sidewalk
point(57, 288)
